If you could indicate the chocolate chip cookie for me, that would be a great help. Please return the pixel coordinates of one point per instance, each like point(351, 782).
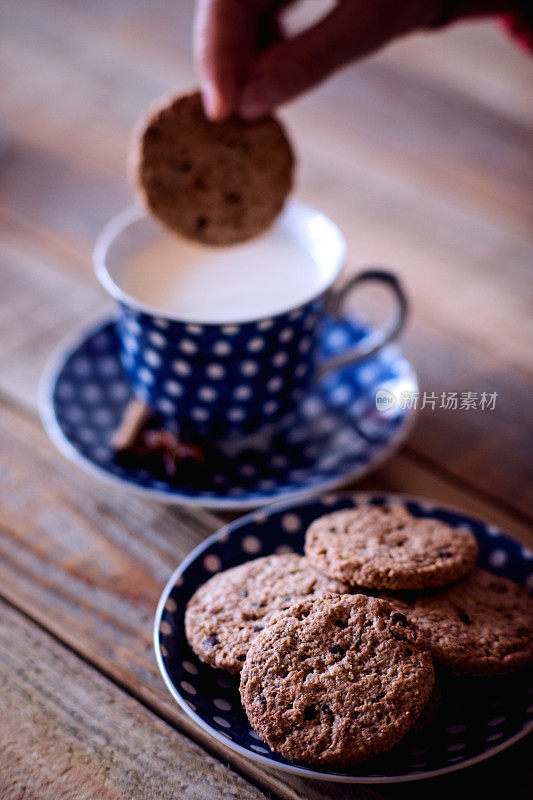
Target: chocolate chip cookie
point(226, 613)
point(482, 625)
point(215, 182)
point(336, 679)
point(384, 547)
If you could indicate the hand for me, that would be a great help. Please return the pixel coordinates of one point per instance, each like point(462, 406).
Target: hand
point(246, 66)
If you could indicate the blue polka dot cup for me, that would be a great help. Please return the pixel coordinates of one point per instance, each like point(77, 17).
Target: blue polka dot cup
point(231, 378)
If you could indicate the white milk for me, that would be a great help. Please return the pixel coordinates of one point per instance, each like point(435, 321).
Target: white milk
point(265, 276)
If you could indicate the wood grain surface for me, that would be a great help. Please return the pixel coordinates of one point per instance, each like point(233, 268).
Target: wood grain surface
point(121, 752)
point(423, 155)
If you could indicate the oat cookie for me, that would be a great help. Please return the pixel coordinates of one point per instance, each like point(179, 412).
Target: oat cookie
point(384, 547)
point(482, 625)
point(336, 679)
point(225, 614)
point(215, 182)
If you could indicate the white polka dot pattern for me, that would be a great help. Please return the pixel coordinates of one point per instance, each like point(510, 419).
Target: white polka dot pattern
point(222, 348)
point(256, 344)
point(470, 722)
point(207, 394)
point(312, 446)
point(215, 371)
point(181, 367)
point(173, 388)
point(249, 368)
point(188, 347)
point(242, 392)
point(157, 339)
point(152, 358)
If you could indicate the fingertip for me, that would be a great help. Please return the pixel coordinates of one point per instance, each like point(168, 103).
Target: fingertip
point(211, 101)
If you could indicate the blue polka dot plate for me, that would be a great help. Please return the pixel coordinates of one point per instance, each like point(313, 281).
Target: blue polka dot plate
point(475, 718)
point(336, 435)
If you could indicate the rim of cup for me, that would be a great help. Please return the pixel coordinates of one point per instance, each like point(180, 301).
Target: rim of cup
point(125, 219)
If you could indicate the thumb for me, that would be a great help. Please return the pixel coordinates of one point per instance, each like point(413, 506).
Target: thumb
point(351, 30)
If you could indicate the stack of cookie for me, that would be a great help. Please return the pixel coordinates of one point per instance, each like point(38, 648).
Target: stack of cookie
point(332, 674)
point(474, 622)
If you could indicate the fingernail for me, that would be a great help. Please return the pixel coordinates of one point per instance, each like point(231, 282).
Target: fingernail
point(257, 99)
point(210, 100)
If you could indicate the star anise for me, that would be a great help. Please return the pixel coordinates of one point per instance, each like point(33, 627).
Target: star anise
point(171, 450)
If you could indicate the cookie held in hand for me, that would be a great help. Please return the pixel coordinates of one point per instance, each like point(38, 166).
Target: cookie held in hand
point(384, 547)
point(219, 183)
point(335, 680)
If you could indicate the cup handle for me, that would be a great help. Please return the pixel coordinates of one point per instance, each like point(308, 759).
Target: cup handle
point(370, 344)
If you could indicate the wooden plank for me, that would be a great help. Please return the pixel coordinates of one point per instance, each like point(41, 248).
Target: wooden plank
point(446, 204)
point(482, 279)
point(488, 452)
point(88, 563)
point(464, 258)
point(477, 58)
point(400, 116)
point(479, 265)
point(117, 67)
point(47, 292)
point(424, 127)
point(67, 732)
point(429, 173)
point(39, 306)
point(407, 473)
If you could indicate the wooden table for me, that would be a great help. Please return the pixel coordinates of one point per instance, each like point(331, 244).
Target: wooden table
point(423, 156)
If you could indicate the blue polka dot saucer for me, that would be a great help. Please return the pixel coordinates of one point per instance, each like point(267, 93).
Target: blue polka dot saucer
point(475, 719)
point(336, 435)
